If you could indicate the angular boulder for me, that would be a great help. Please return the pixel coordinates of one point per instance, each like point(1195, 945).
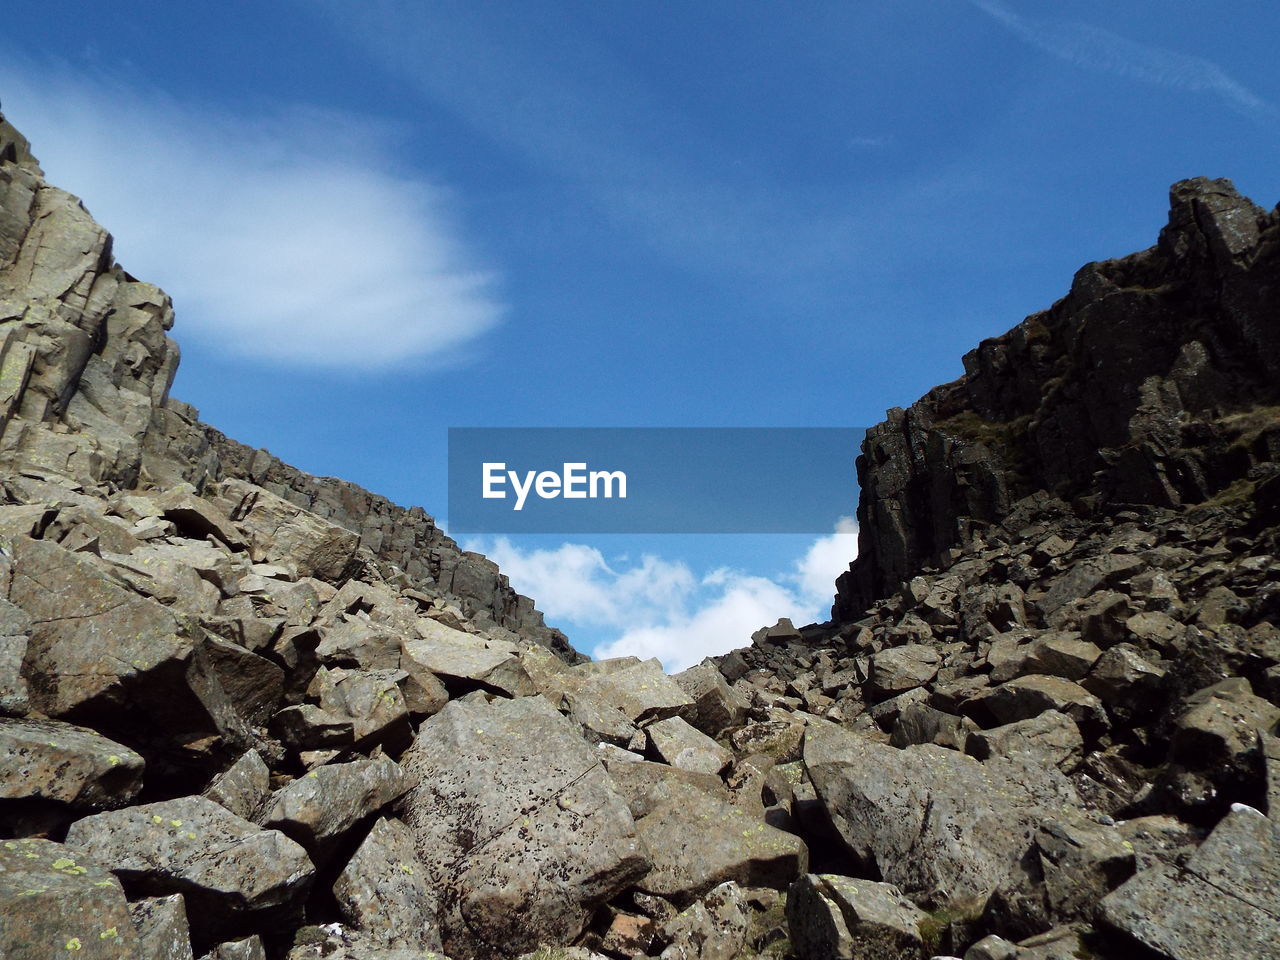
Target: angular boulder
point(48, 760)
point(384, 891)
point(517, 824)
point(832, 917)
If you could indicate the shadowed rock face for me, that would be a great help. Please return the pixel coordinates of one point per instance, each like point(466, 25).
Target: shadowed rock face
point(1155, 380)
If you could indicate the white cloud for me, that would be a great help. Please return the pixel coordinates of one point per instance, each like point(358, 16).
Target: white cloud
point(285, 237)
point(660, 608)
point(1097, 49)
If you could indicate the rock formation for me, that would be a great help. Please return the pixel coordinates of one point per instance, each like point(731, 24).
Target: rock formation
point(250, 713)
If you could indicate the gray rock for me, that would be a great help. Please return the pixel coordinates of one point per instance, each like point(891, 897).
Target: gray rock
point(1081, 862)
point(250, 948)
point(832, 917)
point(49, 760)
point(243, 787)
point(1061, 655)
point(1031, 695)
point(920, 723)
point(162, 928)
point(517, 825)
point(1051, 738)
point(714, 928)
point(56, 902)
point(227, 868)
point(460, 656)
point(696, 840)
point(932, 819)
point(680, 745)
point(1123, 678)
point(319, 808)
point(1224, 902)
point(280, 530)
point(716, 705)
point(904, 668)
point(384, 891)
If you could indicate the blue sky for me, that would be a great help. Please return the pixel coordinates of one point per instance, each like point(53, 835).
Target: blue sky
point(383, 219)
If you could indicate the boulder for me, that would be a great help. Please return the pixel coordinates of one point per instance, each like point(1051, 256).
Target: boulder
point(56, 902)
point(517, 824)
point(904, 668)
point(229, 870)
point(680, 745)
point(1031, 695)
point(695, 840)
point(384, 891)
point(279, 530)
point(1223, 902)
point(832, 917)
point(931, 819)
point(716, 705)
point(163, 933)
point(243, 787)
point(319, 808)
point(467, 660)
point(714, 928)
point(1051, 739)
point(49, 760)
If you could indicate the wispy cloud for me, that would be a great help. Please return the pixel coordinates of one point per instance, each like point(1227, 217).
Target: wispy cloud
point(660, 608)
point(1094, 48)
point(285, 237)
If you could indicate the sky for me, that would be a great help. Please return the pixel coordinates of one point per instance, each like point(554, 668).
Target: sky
point(379, 220)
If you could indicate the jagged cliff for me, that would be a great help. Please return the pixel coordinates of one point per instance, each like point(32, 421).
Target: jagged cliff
point(1155, 380)
point(85, 371)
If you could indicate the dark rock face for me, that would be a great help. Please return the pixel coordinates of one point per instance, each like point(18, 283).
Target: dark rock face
point(1155, 380)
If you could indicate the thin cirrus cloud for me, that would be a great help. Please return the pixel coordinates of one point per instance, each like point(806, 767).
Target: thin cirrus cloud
point(1097, 49)
point(661, 608)
point(273, 244)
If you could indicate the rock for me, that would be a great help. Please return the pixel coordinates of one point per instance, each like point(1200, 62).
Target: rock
point(1051, 739)
point(715, 704)
point(696, 840)
point(56, 902)
point(779, 739)
point(384, 891)
point(318, 809)
point(714, 928)
point(468, 660)
point(629, 935)
point(250, 948)
point(517, 825)
point(371, 701)
point(919, 723)
point(162, 928)
point(832, 917)
point(900, 669)
point(48, 760)
point(644, 786)
point(682, 746)
point(1061, 655)
point(1081, 862)
point(1031, 695)
point(228, 869)
point(277, 529)
point(1124, 679)
point(15, 696)
point(1225, 902)
point(992, 948)
point(928, 818)
point(243, 787)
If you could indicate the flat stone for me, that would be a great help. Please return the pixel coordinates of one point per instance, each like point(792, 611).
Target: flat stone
point(680, 745)
point(832, 917)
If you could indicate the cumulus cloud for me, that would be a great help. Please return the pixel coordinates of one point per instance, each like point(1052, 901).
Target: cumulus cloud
point(1097, 49)
point(656, 607)
point(287, 237)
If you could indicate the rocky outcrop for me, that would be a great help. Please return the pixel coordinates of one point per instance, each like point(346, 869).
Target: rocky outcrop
point(1154, 381)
